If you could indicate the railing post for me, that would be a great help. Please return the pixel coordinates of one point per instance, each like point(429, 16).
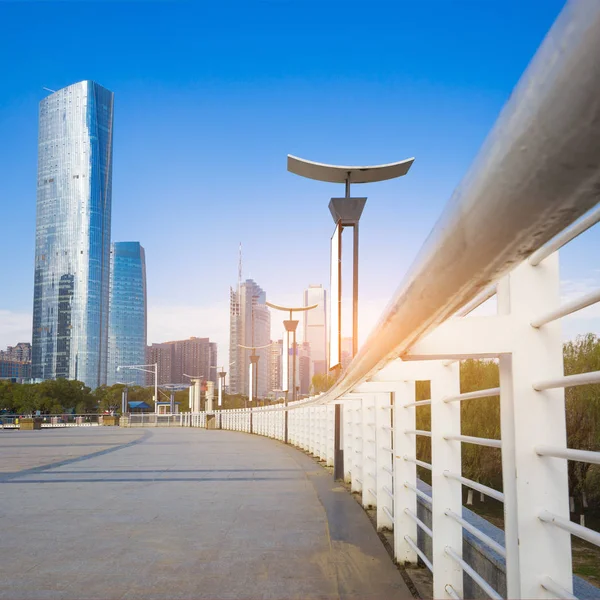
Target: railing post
point(385, 482)
point(348, 438)
point(369, 497)
point(357, 448)
point(447, 493)
point(530, 418)
point(404, 471)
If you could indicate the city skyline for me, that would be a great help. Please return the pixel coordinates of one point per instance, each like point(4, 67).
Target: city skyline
point(174, 152)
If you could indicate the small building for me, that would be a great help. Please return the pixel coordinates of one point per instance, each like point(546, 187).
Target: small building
point(163, 407)
point(139, 407)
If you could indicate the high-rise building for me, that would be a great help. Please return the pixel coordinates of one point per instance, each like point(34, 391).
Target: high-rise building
point(19, 353)
point(315, 328)
point(250, 325)
point(162, 355)
point(275, 356)
point(196, 357)
point(72, 250)
point(304, 370)
point(127, 312)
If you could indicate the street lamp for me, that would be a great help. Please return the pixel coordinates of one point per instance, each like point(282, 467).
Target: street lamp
point(145, 370)
point(222, 373)
point(253, 379)
point(346, 212)
point(290, 327)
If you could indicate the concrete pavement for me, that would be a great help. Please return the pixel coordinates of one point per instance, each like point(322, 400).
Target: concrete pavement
point(179, 513)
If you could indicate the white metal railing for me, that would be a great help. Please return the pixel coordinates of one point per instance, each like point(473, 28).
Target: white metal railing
point(533, 188)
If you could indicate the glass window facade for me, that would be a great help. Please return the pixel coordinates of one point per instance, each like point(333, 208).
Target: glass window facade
point(72, 252)
point(127, 315)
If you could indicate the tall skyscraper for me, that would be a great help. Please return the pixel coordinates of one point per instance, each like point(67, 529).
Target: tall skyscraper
point(315, 327)
point(250, 325)
point(72, 250)
point(127, 312)
point(275, 374)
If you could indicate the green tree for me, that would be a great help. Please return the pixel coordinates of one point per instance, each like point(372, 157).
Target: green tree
point(582, 412)
point(321, 382)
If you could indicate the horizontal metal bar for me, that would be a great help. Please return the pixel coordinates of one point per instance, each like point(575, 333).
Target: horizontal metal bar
point(418, 492)
point(568, 381)
point(388, 470)
point(386, 449)
point(370, 441)
point(359, 480)
point(419, 522)
point(485, 295)
point(417, 403)
point(386, 428)
point(567, 309)
point(586, 456)
point(477, 533)
point(553, 587)
point(387, 407)
point(372, 492)
point(585, 533)
point(417, 432)
point(469, 439)
point(451, 592)
point(416, 461)
point(472, 395)
point(484, 489)
point(564, 237)
point(387, 490)
point(386, 510)
point(420, 554)
point(476, 577)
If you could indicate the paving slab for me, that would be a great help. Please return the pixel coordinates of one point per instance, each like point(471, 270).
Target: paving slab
point(180, 513)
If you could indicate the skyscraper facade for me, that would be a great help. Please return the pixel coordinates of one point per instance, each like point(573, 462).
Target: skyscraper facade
point(250, 326)
point(127, 312)
point(315, 327)
point(72, 251)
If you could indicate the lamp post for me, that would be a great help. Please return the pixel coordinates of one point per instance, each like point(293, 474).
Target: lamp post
point(145, 369)
point(346, 212)
point(253, 371)
point(290, 327)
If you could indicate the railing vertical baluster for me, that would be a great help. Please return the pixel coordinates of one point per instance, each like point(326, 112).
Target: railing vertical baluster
point(369, 449)
point(404, 445)
point(357, 443)
point(348, 437)
point(447, 493)
point(383, 437)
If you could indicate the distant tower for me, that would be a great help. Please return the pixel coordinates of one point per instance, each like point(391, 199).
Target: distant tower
point(72, 242)
point(250, 325)
point(315, 328)
point(128, 312)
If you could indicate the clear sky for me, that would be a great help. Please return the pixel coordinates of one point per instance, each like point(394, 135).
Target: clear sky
point(210, 97)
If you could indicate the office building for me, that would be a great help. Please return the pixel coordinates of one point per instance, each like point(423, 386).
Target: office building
point(72, 250)
point(127, 313)
point(314, 329)
point(275, 374)
point(196, 357)
point(250, 325)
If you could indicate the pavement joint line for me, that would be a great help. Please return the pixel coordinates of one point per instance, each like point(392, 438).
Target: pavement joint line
point(5, 477)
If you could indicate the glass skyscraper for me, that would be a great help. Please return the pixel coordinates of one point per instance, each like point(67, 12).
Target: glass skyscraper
point(127, 314)
point(72, 250)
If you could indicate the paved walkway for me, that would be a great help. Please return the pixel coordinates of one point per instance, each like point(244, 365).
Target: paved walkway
point(179, 513)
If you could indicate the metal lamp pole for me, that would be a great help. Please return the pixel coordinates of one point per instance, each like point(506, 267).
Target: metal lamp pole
point(290, 327)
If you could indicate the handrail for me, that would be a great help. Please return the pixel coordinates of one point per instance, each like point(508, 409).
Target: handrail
point(510, 203)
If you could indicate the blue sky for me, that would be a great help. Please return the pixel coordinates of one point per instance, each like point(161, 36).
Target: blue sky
point(209, 100)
